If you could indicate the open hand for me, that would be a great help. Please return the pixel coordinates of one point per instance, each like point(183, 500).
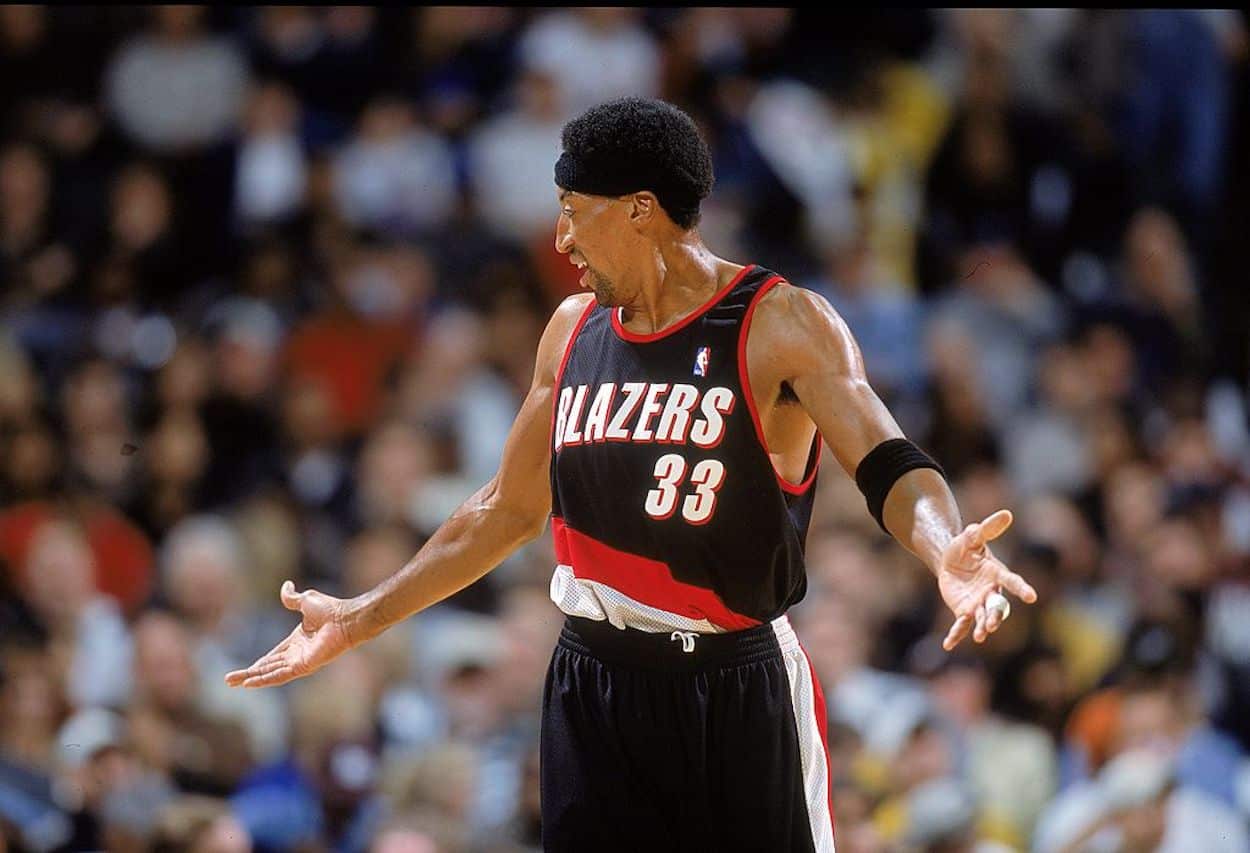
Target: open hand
point(968, 573)
point(318, 639)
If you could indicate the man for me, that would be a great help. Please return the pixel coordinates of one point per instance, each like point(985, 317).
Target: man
point(676, 456)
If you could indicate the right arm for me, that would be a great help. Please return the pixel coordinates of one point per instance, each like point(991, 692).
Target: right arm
point(503, 515)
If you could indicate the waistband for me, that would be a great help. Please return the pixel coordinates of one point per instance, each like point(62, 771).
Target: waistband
point(677, 651)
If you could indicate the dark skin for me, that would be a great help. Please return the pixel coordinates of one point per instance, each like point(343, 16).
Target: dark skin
point(806, 372)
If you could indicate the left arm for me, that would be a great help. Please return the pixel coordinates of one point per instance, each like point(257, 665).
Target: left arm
point(797, 338)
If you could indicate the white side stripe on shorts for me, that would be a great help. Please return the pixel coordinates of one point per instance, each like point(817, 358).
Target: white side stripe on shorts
point(814, 761)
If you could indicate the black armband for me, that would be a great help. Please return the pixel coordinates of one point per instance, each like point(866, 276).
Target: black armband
point(881, 468)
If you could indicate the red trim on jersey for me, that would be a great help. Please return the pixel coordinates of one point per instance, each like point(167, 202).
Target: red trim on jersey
point(822, 726)
point(560, 539)
point(813, 461)
point(642, 579)
point(745, 381)
point(635, 338)
point(564, 360)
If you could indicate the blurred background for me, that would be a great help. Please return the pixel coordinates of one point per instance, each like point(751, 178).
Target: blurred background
point(271, 283)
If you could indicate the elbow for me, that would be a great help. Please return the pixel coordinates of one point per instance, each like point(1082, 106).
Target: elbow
point(524, 522)
point(525, 527)
point(534, 528)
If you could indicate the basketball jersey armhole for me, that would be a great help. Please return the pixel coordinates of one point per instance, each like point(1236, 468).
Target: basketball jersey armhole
point(564, 361)
point(813, 456)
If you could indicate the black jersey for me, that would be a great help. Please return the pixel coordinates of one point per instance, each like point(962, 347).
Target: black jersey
point(667, 511)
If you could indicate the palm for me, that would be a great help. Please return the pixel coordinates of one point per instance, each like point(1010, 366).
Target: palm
point(969, 573)
point(314, 642)
point(963, 586)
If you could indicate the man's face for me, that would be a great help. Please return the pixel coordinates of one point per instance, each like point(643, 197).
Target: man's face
point(1150, 720)
point(592, 231)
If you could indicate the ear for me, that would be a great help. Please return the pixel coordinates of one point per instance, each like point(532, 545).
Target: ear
point(643, 208)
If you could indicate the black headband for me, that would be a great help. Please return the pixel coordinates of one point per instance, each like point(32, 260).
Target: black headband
point(619, 174)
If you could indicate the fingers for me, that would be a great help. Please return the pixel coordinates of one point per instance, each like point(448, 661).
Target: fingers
point(983, 621)
point(290, 598)
point(236, 678)
point(991, 528)
point(271, 679)
point(263, 666)
point(1017, 586)
point(270, 661)
point(993, 618)
point(262, 669)
point(957, 632)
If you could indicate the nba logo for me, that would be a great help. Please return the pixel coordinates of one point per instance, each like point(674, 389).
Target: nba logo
point(701, 359)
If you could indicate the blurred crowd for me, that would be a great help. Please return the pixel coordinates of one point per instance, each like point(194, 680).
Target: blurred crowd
point(271, 283)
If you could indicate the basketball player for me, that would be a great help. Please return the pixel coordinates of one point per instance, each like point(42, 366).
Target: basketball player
point(672, 436)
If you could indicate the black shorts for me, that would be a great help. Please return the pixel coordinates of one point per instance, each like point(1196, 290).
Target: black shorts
point(683, 743)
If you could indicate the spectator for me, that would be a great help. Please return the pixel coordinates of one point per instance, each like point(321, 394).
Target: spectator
point(98, 765)
point(1011, 768)
point(1158, 300)
point(464, 56)
point(203, 578)
point(394, 175)
point(354, 343)
point(89, 640)
point(176, 459)
point(37, 266)
point(238, 417)
point(1051, 450)
point(883, 317)
point(941, 817)
point(395, 466)
point(1137, 804)
point(272, 173)
point(199, 825)
point(121, 553)
point(1152, 716)
point(1165, 47)
point(427, 832)
point(508, 159)
point(1003, 312)
point(26, 67)
point(817, 172)
point(143, 265)
point(170, 732)
point(316, 468)
point(176, 87)
point(316, 791)
point(596, 54)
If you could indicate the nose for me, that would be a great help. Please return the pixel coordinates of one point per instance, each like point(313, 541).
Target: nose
point(564, 239)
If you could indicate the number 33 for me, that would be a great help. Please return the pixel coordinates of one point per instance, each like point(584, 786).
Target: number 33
point(670, 471)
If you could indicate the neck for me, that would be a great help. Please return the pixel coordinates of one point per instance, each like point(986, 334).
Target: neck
point(681, 275)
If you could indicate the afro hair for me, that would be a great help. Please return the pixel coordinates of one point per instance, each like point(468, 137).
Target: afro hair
point(654, 144)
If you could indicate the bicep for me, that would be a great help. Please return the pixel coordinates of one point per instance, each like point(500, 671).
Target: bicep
point(523, 482)
point(826, 371)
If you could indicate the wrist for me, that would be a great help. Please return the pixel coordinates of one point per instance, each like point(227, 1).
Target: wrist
point(360, 619)
point(930, 553)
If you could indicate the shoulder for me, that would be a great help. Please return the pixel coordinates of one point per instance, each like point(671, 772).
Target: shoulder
point(785, 302)
point(570, 311)
point(800, 327)
point(785, 298)
point(560, 328)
